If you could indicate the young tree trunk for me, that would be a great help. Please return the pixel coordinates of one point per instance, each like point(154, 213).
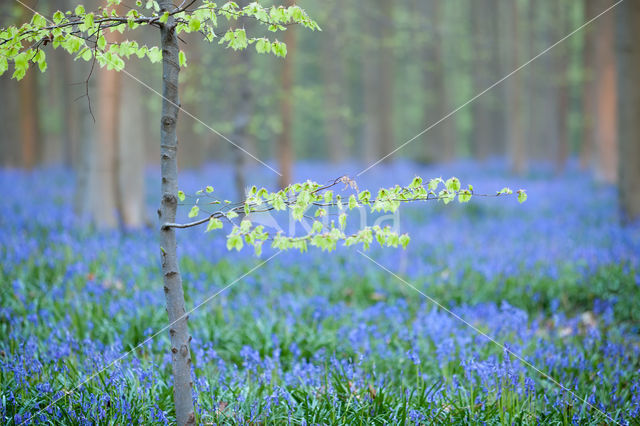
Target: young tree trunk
point(628, 36)
point(285, 141)
point(606, 124)
point(174, 293)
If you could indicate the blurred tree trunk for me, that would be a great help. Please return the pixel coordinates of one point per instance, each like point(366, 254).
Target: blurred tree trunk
point(131, 155)
point(628, 49)
point(606, 124)
point(243, 110)
point(10, 153)
point(371, 137)
point(562, 100)
point(333, 73)
point(543, 97)
point(28, 101)
point(589, 96)
point(103, 182)
point(487, 125)
point(285, 142)
point(517, 147)
point(440, 144)
point(385, 61)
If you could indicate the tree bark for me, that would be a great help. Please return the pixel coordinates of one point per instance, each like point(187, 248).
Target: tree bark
point(29, 116)
point(131, 157)
point(333, 73)
point(285, 141)
point(104, 206)
point(385, 60)
point(628, 37)
point(243, 109)
point(371, 138)
point(517, 152)
point(606, 123)
point(486, 124)
point(174, 293)
point(439, 142)
point(589, 100)
point(562, 97)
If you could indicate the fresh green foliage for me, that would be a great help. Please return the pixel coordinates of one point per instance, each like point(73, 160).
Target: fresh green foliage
point(306, 199)
point(83, 33)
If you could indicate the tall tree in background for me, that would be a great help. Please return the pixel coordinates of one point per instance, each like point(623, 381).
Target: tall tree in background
point(371, 138)
point(561, 18)
point(130, 155)
point(334, 85)
point(516, 136)
point(243, 109)
point(103, 181)
point(589, 94)
point(285, 141)
point(488, 127)
point(542, 98)
point(28, 100)
point(439, 142)
point(385, 61)
point(377, 63)
point(606, 162)
point(517, 143)
point(628, 54)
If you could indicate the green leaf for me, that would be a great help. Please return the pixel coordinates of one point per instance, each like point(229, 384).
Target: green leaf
point(214, 223)
point(79, 10)
point(4, 65)
point(231, 214)
point(58, 17)
point(102, 42)
point(522, 195)
point(209, 189)
point(182, 59)
point(353, 203)
point(21, 64)
point(404, 240)
point(464, 196)
point(164, 18)
point(86, 54)
point(316, 227)
point(342, 219)
point(234, 242)
point(416, 183)
point(154, 54)
point(195, 210)
point(433, 184)
point(245, 226)
point(194, 24)
point(453, 184)
point(88, 21)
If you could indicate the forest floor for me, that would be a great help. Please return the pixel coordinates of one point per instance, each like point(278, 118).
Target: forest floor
point(312, 338)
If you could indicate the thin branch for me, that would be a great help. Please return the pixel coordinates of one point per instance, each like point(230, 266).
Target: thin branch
point(241, 206)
